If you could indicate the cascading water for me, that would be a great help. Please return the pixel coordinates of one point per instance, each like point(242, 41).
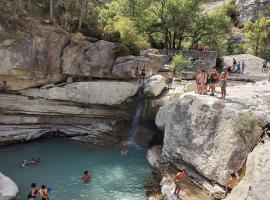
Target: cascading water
point(135, 126)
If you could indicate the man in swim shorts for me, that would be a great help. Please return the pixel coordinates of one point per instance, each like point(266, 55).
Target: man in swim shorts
point(177, 180)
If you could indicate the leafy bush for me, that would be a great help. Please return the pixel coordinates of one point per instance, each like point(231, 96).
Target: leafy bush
point(231, 10)
point(122, 50)
point(179, 62)
point(244, 125)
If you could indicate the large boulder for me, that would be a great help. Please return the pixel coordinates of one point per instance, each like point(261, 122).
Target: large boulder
point(126, 67)
point(250, 9)
point(255, 184)
point(95, 92)
point(254, 64)
point(212, 135)
point(154, 85)
point(8, 189)
point(90, 59)
point(31, 59)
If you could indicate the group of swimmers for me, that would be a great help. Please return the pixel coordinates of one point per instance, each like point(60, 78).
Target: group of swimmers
point(43, 192)
point(33, 161)
point(206, 81)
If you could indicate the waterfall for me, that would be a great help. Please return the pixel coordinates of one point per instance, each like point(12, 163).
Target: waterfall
point(135, 126)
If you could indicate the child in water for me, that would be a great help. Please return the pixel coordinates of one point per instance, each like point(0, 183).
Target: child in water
point(86, 177)
point(44, 193)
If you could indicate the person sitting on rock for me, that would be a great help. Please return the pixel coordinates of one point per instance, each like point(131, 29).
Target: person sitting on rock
point(232, 182)
point(86, 177)
point(177, 180)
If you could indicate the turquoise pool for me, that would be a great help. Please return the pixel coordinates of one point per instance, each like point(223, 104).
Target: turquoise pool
point(63, 161)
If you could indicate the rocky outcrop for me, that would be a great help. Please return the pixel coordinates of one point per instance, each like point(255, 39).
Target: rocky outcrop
point(31, 59)
point(87, 111)
point(8, 189)
point(253, 64)
point(255, 184)
point(250, 10)
point(212, 135)
point(95, 92)
point(154, 85)
point(48, 54)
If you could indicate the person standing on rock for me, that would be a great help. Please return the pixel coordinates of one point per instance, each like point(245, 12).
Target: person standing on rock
point(232, 182)
point(264, 69)
point(142, 75)
point(238, 68)
point(170, 79)
point(223, 83)
point(243, 67)
point(177, 180)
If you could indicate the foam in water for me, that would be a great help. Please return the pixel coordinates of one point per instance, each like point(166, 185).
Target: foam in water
point(63, 161)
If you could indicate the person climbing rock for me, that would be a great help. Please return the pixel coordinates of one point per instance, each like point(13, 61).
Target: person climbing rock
point(232, 182)
point(86, 177)
point(32, 195)
point(177, 180)
point(44, 193)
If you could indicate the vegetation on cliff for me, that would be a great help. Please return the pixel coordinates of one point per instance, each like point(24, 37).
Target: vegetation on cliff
point(139, 24)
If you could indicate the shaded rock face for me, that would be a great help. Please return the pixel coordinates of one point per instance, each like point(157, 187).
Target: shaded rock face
point(75, 110)
point(8, 189)
point(250, 10)
point(29, 60)
point(255, 184)
point(214, 136)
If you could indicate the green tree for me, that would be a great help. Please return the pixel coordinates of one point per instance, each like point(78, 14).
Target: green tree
point(258, 35)
point(179, 62)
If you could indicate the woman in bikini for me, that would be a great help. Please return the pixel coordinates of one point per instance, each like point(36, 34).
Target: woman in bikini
point(32, 195)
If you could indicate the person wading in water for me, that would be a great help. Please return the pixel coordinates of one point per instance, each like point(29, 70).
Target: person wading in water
point(32, 195)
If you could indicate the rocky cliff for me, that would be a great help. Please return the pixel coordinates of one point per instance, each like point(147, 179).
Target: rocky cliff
point(212, 135)
point(46, 54)
point(250, 9)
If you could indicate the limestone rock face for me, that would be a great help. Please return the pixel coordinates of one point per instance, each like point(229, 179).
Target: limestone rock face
point(8, 189)
point(97, 112)
point(126, 67)
point(96, 92)
point(253, 64)
point(155, 85)
point(212, 135)
point(29, 60)
point(250, 9)
point(89, 59)
point(255, 184)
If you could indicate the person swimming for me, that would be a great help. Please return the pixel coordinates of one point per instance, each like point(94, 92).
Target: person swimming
point(86, 177)
point(34, 161)
point(125, 146)
point(44, 193)
point(32, 195)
